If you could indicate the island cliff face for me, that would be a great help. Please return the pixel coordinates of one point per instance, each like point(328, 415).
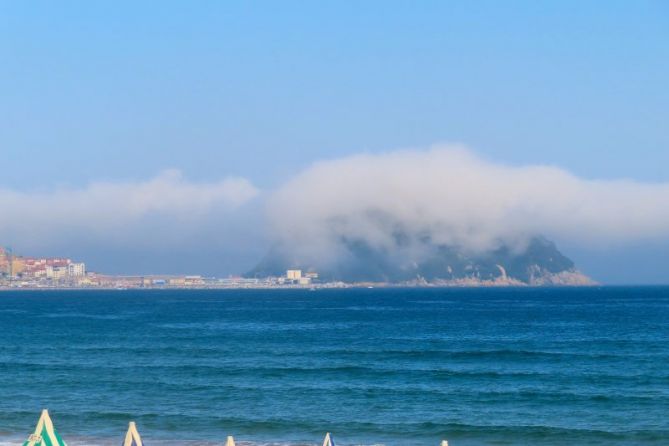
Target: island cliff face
point(538, 263)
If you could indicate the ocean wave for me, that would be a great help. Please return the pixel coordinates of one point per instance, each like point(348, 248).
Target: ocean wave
point(102, 317)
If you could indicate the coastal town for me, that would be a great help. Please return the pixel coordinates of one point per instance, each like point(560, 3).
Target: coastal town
point(25, 272)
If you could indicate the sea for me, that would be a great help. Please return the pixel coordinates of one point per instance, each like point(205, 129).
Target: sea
point(479, 366)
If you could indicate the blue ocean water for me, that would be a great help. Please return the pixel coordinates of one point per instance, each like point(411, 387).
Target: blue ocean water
point(554, 366)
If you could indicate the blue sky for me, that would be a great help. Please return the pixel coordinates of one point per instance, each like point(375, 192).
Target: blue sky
point(121, 91)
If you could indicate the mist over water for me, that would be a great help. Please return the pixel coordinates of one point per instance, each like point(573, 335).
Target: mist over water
point(397, 367)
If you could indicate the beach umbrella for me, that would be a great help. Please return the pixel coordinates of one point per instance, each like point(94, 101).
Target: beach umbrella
point(45, 434)
point(328, 440)
point(132, 437)
point(230, 442)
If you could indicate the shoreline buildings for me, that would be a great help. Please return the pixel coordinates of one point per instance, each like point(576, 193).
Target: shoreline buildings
point(18, 268)
point(17, 271)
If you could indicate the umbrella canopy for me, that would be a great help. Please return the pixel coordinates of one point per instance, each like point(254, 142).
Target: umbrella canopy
point(230, 442)
point(328, 440)
point(132, 437)
point(45, 434)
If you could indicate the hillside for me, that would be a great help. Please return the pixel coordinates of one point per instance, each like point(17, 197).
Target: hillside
point(540, 263)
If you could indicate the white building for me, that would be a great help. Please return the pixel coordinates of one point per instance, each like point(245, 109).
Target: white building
point(76, 269)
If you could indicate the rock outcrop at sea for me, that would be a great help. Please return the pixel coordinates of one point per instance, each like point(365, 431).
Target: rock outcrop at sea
point(538, 262)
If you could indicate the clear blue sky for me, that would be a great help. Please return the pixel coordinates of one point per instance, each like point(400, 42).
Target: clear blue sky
point(113, 90)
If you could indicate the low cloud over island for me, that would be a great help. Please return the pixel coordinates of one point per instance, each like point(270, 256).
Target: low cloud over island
point(453, 197)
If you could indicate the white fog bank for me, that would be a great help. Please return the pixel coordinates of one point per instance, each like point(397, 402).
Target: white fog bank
point(454, 197)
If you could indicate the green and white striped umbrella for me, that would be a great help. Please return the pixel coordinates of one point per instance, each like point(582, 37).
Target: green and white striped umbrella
point(45, 434)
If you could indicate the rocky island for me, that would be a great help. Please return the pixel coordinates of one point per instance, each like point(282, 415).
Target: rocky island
point(537, 263)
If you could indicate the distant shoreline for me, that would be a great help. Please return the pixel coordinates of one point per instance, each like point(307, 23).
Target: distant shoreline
point(318, 288)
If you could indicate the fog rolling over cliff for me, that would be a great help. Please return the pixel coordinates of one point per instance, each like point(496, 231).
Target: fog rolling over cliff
point(538, 262)
point(442, 215)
